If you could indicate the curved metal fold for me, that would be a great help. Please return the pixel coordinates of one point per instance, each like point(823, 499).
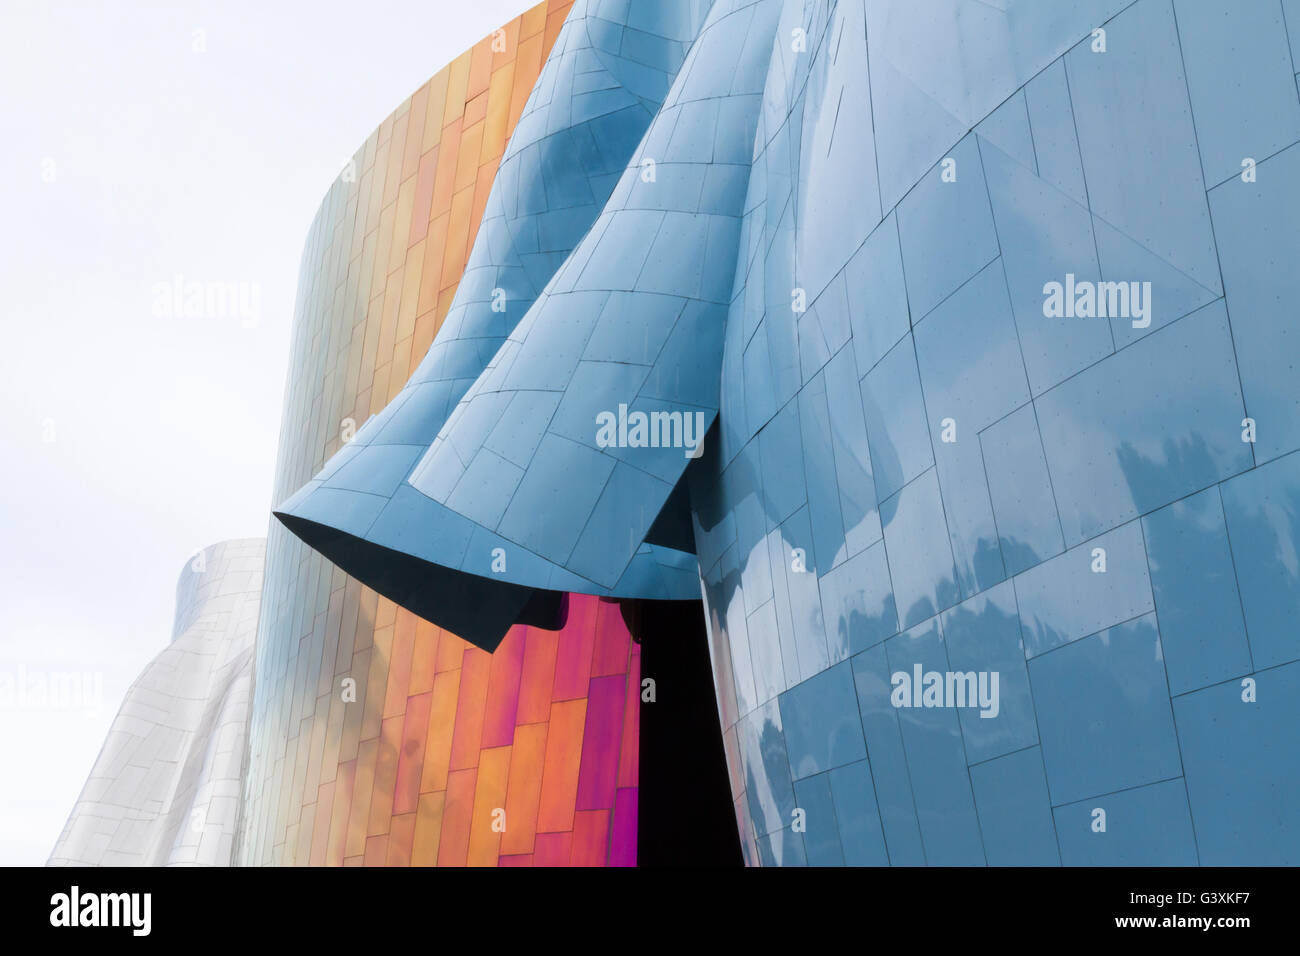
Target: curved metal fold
point(572, 440)
point(594, 100)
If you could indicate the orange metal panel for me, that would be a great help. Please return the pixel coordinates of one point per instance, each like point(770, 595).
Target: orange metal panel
point(434, 110)
point(563, 759)
point(504, 52)
point(457, 812)
point(503, 690)
point(538, 676)
point(401, 837)
point(524, 794)
point(497, 120)
point(362, 791)
point(445, 177)
point(435, 247)
point(475, 110)
point(474, 673)
point(399, 664)
point(528, 66)
point(442, 725)
point(401, 237)
point(613, 641)
point(590, 838)
point(396, 150)
point(450, 652)
point(533, 20)
point(480, 68)
point(457, 86)
point(424, 657)
point(386, 612)
point(428, 829)
point(453, 259)
point(489, 807)
point(384, 262)
point(419, 226)
point(573, 662)
point(415, 132)
point(381, 800)
point(406, 311)
point(376, 850)
point(410, 761)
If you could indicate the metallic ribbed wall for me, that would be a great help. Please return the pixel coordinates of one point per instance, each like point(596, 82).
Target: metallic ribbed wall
point(439, 735)
point(166, 786)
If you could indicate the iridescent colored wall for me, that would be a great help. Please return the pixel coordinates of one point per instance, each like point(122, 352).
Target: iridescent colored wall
point(440, 734)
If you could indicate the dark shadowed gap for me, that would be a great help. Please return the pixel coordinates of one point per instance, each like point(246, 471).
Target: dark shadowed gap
point(476, 609)
point(684, 812)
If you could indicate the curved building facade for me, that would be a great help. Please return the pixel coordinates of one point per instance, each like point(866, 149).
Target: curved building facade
point(377, 736)
point(607, 75)
point(944, 346)
point(166, 786)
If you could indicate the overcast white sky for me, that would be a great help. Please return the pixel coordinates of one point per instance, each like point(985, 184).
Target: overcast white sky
point(137, 149)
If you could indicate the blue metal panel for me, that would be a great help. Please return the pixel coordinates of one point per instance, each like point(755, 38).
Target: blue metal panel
point(1015, 813)
point(1146, 826)
point(1103, 713)
point(821, 731)
point(1242, 785)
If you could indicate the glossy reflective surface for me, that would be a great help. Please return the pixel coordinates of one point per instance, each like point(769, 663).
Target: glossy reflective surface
point(520, 208)
point(846, 255)
point(1066, 502)
point(376, 737)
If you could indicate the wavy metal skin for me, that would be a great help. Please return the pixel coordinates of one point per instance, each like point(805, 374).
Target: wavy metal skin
point(378, 738)
point(924, 470)
point(603, 82)
point(635, 318)
point(919, 466)
point(165, 788)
